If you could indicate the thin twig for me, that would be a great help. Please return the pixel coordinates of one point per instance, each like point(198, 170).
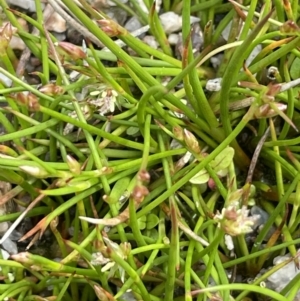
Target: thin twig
point(253, 165)
point(56, 6)
point(48, 11)
point(75, 23)
point(256, 154)
point(23, 214)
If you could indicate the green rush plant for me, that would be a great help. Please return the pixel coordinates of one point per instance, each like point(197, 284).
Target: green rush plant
point(135, 178)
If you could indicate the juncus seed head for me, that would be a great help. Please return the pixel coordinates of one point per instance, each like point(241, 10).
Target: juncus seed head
point(235, 221)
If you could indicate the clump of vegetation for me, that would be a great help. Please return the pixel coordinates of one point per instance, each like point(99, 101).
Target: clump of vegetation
point(130, 177)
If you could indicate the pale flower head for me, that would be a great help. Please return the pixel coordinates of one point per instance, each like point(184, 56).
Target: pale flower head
point(105, 101)
point(99, 259)
point(234, 221)
point(108, 264)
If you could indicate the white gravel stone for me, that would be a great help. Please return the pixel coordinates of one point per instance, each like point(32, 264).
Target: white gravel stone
point(255, 51)
point(144, 7)
point(10, 246)
point(229, 242)
point(151, 41)
point(133, 24)
point(7, 82)
point(25, 4)
point(216, 60)
point(110, 3)
point(173, 38)
point(214, 84)
point(171, 22)
point(283, 276)
point(56, 23)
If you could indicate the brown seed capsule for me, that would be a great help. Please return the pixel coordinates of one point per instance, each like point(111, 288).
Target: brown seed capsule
point(5, 37)
point(265, 111)
point(74, 165)
point(70, 51)
point(33, 102)
point(144, 176)
point(52, 89)
point(27, 99)
point(178, 133)
point(139, 192)
point(290, 27)
point(191, 142)
point(110, 27)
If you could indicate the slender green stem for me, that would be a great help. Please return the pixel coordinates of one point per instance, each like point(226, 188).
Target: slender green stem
point(277, 211)
point(290, 107)
point(244, 286)
point(201, 165)
point(92, 129)
point(247, 24)
point(278, 170)
point(133, 274)
point(231, 74)
point(173, 260)
point(202, 106)
point(158, 31)
point(188, 265)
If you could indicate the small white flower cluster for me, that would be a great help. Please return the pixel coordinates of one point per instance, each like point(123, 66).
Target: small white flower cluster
point(235, 221)
point(101, 99)
point(108, 264)
point(106, 101)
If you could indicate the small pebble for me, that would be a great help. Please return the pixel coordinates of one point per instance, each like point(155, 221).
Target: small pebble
point(144, 8)
point(111, 3)
point(60, 36)
point(214, 84)
point(216, 60)
point(5, 255)
point(56, 23)
point(172, 22)
point(10, 246)
point(173, 38)
point(6, 81)
point(257, 49)
point(262, 215)
point(117, 14)
point(133, 24)
point(229, 242)
point(272, 72)
point(25, 4)
point(151, 41)
point(278, 280)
